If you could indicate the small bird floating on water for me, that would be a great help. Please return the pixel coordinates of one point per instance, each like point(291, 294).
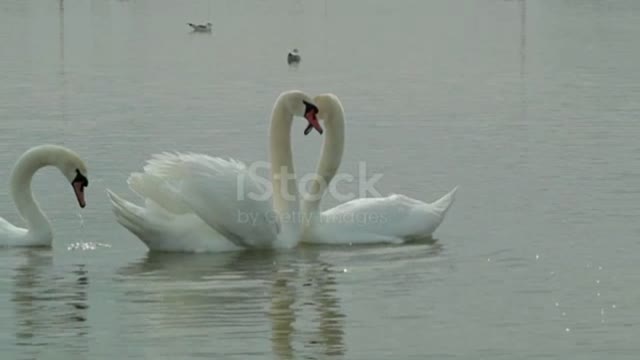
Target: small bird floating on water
point(200, 28)
point(293, 57)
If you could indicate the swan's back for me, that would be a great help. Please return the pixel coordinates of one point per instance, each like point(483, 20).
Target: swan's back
point(395, 218)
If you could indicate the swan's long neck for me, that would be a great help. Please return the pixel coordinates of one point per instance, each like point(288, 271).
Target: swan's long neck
point(283, 178)
point(332, 150)
point(20, 186)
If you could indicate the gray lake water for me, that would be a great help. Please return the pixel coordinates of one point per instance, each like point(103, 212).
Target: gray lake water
point(531, 107)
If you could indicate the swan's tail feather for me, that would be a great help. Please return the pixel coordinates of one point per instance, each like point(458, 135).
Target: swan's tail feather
point(128, 215)
point(443, 204)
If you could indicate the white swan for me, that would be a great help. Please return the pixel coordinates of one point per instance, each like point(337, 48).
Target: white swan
point(194, 203)
point(38, 231)
point(392, 219)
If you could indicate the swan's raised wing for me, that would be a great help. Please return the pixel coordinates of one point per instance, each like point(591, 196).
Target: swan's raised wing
point(223, 193)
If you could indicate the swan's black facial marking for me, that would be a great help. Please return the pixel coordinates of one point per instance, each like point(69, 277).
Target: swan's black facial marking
point(79, 183)
point(310, 112)
point(81, 179)
point(308, 107)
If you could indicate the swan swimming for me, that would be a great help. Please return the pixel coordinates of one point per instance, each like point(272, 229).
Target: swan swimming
point(392, 219)
point(38, 231)
point(192, 202)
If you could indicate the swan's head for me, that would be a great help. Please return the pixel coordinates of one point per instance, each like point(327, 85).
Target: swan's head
point(328, 104)
point(310, 113)
point(75, 170)
point(300, 104)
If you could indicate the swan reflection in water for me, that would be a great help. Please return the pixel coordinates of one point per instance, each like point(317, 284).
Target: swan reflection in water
point(314, 285)
point(250, 297)
point(51, 305)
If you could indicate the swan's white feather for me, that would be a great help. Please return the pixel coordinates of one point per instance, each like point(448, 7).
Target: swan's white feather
point(199, 189)
point(164, 231)
point(392, 219)
point(11, 235)
point(222, 193)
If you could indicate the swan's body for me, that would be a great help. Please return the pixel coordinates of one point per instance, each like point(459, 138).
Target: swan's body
point(201, 28)
point(293, 57)
point(163, 230)
point(198, 203)
point(392, 219)
point(179, 190)
point(38, 231)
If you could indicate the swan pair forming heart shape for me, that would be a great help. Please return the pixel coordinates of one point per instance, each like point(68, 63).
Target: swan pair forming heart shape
point(192, 202)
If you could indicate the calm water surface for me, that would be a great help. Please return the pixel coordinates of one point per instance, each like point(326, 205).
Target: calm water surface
point(531, 107)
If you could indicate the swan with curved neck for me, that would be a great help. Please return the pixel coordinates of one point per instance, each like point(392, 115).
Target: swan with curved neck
point(198, 203)
point(392, 219)
point(38, 231)
point(331, 111)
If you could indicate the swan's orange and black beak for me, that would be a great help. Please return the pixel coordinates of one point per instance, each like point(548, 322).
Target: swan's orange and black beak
point(79, 183)
point(310, 113)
